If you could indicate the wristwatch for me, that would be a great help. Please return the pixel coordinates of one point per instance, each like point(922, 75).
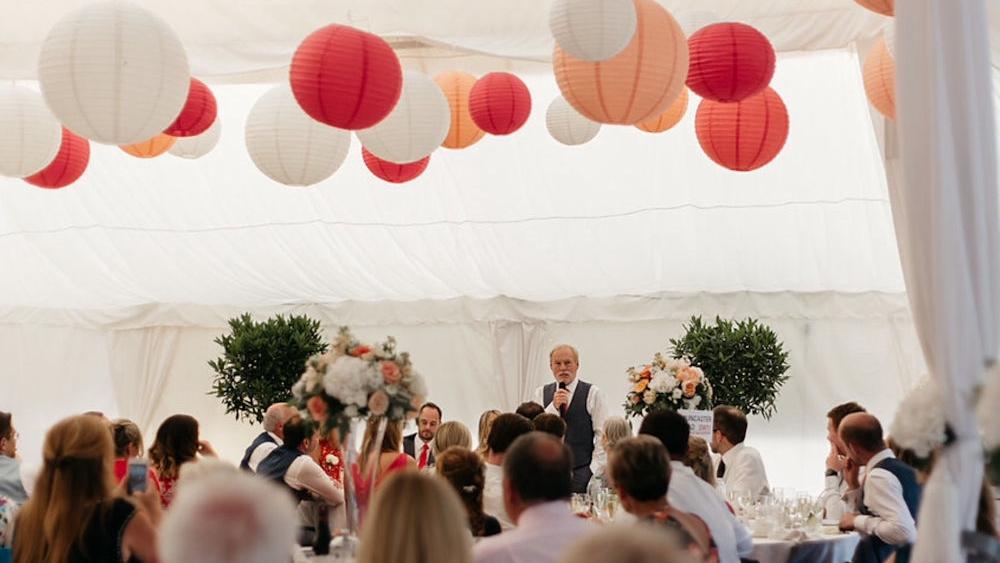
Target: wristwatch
point(831, 473)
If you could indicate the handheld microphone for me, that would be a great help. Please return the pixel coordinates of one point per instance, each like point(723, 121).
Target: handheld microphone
point(562, 408)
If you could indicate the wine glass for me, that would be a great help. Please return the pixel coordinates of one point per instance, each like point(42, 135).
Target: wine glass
point(611, 506)
point(580, 504)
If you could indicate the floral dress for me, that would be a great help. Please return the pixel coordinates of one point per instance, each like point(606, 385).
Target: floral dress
point(331, 459)
point(8, 509)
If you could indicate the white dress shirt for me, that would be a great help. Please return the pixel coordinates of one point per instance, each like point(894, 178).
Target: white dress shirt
point(304, 473)
point(598, 413)
point(891, 520)
point(262, 451)
point(689, 493)
point(493, 496)
point(744, 470)
point(832, 497)
point(542, 535)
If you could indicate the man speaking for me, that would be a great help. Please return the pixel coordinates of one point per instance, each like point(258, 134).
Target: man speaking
point(581, 405)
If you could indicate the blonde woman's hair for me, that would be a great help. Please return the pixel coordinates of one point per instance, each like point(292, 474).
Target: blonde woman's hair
point(391, 442)
point(76, 478)
point(699, 459)
point(485, 424)
point(452, 433)
point(615, 430)
point(626, 544)
point(126, 433)
point(427, 520)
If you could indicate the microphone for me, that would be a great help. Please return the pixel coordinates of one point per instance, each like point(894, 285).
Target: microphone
point(562, 408)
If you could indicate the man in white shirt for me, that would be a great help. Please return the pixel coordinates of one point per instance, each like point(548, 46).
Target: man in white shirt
point(536, 489)
point(884, 509)
point(832, 497)
point(691, 494)
point(582, 406)
point(506, 428)
point(741, 467)
point(274, 429)
point(428, 420)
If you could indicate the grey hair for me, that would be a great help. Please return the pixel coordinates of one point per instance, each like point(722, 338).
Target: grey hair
point(275, 415)
point(576, 355)
point(615, 430)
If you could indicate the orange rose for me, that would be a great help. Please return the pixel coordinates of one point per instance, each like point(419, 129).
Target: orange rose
point(317, 408)
point(390, 373)
point(359, 350)
point(689, 374)
point(647, 372)
point(640, 386)
point(690, 388)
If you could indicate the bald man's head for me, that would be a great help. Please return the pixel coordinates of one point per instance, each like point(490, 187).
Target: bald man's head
point(862, 432)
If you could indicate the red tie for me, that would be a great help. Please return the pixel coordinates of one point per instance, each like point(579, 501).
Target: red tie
point(423, 457)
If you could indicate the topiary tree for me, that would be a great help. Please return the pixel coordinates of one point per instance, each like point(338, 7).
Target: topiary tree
point(261, 362)
point(743, 360)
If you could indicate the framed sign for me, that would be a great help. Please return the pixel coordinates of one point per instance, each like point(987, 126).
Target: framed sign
point(701, 423)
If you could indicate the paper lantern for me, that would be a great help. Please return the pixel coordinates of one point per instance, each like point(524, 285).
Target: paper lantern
point(198, 113)
point(345, 77)
point(592, 30)
point(567, 126)
point(290, 147)
point(68, 165)
point(745, 135)
point(463, 132)
point(669, 118)
point(884, 7)
point(200, 145)
point(114, 73)
point(499, 103)
point(394, 172)
point(729, 62)
point(879, 75)
point(29, 133)
point(415, 127)
point(150, 148)
point(638, 83)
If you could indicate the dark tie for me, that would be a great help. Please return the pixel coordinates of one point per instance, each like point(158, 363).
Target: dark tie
point(721, 470)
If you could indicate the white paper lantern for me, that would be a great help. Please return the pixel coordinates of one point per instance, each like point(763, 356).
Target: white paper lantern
point(30, 136)
point(199, 145)
point(114, 73)
point(592, 30)
point(416, 126)
point(290, 147)
point(567, 126)
point(889, 33)
point(693, 20)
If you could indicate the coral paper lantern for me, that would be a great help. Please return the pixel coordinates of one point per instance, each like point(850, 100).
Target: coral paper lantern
point(638, 83)
point(499, 103)
point(199, 145)
point(745, 135)
point(114, 73)
point(150, 148)
point(567, 126)
point(884, 7)
point(879, 75)
point(29, 133)
point(67, 167)
point(729, 62)
point(592, 30)
point(394, 172)
point(669, 118)
point(416, 126)
point(463, 132)
point(290, 147)
point(198, 113)
point(345, 77)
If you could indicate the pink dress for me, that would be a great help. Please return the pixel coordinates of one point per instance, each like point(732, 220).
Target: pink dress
point(364, 487)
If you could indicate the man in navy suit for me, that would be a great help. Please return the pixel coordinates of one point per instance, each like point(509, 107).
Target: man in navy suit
point(428, 420)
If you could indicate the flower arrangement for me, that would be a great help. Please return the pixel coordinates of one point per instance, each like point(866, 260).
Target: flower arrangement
point(356, 380)
point(667, 384)
point(920, 425)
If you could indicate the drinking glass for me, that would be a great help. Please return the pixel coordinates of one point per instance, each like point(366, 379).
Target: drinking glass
point(580, 503)
point(611, 506)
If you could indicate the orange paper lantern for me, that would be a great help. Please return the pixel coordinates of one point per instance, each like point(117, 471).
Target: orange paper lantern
point(884, 7)
point(637, 84)
point(463, 132)
point(880, 79)
point(744, 135)
point(152, 148)
point(669, 118)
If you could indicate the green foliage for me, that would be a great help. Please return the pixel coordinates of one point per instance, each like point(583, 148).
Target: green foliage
point(743, 360)
point(261, 362)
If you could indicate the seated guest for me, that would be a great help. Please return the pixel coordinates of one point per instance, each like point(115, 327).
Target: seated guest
point(8, 512)
point(485, 423)
point(415, 518)
point(884, 507)
point(699, 459)
point(176, 443)
point(428, 420)
point(537, 485)
point(615, 430)
point(832, 497)
point(550, 424)
point(741, 467)
point(274, 429)
point(11, 480)
point(73, 514)
point(530, 410)
point(692, 494)
point(229, 517)
point(128, 445)
point(452, 434)
point(625, 544)
point(506, 428)
point(289, 466)
point(640, 470)
point(377, 461)
point(466, 472)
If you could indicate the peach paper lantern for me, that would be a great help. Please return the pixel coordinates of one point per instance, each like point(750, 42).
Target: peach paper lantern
point(884, 7)
point(745, 135)
point(637, 84)
point(463, 132)
point(151, 148)
point(669, 118)
point(880, 79)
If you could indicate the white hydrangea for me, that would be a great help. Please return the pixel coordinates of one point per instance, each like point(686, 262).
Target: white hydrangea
point(299, 389)
point(349, 380)
point(920, 423)
point(695, 401)
point(662, 383)
point(649, 397)
point(677, 394)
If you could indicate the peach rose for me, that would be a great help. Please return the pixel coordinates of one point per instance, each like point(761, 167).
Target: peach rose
point(640, 386)
point(378, 403)
point(690, 388)
point(390, 373)
point(647, 372)
point(317, 408)
point(689, 374)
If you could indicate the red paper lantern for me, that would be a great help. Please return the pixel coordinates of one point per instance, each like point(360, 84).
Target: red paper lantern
point(729, 62)
point(745, 135)
point(67, 166)
point(499, 103)
point(345, 77)
point(392, 172)
point(198, 113)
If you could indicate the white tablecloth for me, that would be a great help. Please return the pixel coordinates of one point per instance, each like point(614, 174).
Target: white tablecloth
point(827, 549)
